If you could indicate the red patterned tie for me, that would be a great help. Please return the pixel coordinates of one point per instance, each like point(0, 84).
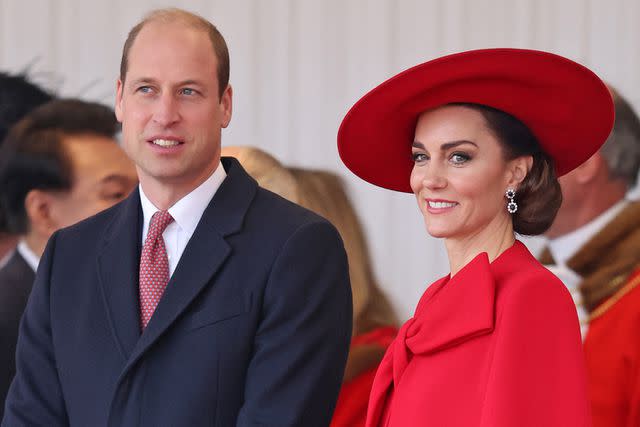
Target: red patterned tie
point(154, 267)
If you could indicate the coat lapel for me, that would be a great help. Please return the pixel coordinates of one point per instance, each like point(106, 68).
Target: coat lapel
point(203, 256)
point(462, 309)
point(117, 266)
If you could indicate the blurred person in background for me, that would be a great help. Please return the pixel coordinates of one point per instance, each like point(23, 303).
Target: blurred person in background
point(594, 247)
point(373, 318)
point(18, 96)
point(60, 164)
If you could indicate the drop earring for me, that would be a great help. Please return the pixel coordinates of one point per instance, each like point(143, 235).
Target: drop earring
point(512, 206)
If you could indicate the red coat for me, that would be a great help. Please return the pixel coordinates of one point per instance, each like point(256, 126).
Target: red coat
point(498, 345)
point(612, 349)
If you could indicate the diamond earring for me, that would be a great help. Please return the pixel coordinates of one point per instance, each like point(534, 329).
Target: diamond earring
point(512, 206)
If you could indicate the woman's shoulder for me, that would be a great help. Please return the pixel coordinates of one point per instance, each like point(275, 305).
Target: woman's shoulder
point(529, 284)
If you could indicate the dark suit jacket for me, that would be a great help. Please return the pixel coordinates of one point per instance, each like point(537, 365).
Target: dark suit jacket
point(252, 330)
point(16, 280)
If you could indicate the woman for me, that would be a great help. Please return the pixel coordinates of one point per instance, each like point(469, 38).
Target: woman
point(373, 319)
point(480, 138)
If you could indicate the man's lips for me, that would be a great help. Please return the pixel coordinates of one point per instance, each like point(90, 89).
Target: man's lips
point(165, 141)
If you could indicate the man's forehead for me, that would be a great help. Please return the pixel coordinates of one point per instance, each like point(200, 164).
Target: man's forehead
point(156, 32)
point(170, 45)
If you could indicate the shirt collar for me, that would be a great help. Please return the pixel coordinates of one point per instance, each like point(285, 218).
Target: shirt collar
point(187, 211)
point(564, 247)
point(29, 256)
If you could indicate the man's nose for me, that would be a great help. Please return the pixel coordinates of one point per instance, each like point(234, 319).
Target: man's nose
point(166, 112)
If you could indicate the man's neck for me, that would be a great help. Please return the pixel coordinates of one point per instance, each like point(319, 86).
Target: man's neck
point(594, 203)
point(167, 192)
point(36, 243)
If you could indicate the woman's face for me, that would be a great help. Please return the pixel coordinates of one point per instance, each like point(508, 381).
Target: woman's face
point(460, 174)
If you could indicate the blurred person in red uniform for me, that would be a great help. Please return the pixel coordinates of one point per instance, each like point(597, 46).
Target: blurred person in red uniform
point(480, 137)
point(373, 318)
point(594, 246)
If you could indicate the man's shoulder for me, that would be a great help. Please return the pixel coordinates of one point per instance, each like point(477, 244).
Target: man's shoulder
point(272, 209)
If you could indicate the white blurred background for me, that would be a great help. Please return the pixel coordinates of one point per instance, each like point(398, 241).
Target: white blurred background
point(298, 65)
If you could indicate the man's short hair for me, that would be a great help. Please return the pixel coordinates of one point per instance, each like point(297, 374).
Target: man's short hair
point(34, 157)
point(621, 151)
point(191, 20)
point(18, 96)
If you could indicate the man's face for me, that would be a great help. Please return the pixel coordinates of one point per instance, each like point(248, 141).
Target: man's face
point(102, 175)
point(170, 108)
point(572, 200)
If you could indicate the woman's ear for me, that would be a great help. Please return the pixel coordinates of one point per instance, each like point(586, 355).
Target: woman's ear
point(518, 170)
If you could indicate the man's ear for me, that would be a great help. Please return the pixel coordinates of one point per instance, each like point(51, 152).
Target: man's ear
point(226, 105)
point(39, 205)
point(118, 105)
point(518, 170)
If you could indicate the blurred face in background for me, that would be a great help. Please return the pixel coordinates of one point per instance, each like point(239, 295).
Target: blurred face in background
point(102, 173)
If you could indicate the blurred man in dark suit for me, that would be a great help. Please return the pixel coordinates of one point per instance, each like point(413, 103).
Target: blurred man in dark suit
point(60, 164)
point(18, 96)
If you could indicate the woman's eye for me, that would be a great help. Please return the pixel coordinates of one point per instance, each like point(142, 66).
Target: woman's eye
point(419, 157)
point(459, 158)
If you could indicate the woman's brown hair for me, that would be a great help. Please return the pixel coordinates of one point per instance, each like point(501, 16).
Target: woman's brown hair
point(539, 195)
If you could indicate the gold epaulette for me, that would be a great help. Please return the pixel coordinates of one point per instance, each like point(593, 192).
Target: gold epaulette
point(602, 308)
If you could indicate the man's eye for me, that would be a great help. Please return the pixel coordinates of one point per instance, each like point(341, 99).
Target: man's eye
point(144, 89)
point(188, 91)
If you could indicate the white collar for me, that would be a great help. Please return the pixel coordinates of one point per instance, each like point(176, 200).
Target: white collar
point(29, 256)
point(187, 211)
point(564, 247)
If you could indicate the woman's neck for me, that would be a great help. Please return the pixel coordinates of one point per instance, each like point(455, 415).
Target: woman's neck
point(494, 239)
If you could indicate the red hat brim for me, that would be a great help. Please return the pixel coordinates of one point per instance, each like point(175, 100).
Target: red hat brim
point(564, 104)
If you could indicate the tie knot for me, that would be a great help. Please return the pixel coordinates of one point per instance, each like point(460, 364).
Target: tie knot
point(159, 221)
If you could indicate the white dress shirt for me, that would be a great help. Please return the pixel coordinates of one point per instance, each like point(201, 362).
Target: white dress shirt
point(186, 214)
point(563, 248)
point(29, 256)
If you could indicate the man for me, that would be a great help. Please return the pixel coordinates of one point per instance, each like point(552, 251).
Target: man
point(59, 165)
point(595, 246)
point(201, 299)
point(18, 96)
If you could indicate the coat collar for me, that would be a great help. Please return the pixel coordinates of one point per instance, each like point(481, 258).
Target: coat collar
point(608, 258)
point(456, 309)
point(118, 263)
point(451, 311)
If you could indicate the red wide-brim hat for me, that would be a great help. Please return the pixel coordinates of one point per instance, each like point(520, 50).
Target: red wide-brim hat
point(564, 104)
